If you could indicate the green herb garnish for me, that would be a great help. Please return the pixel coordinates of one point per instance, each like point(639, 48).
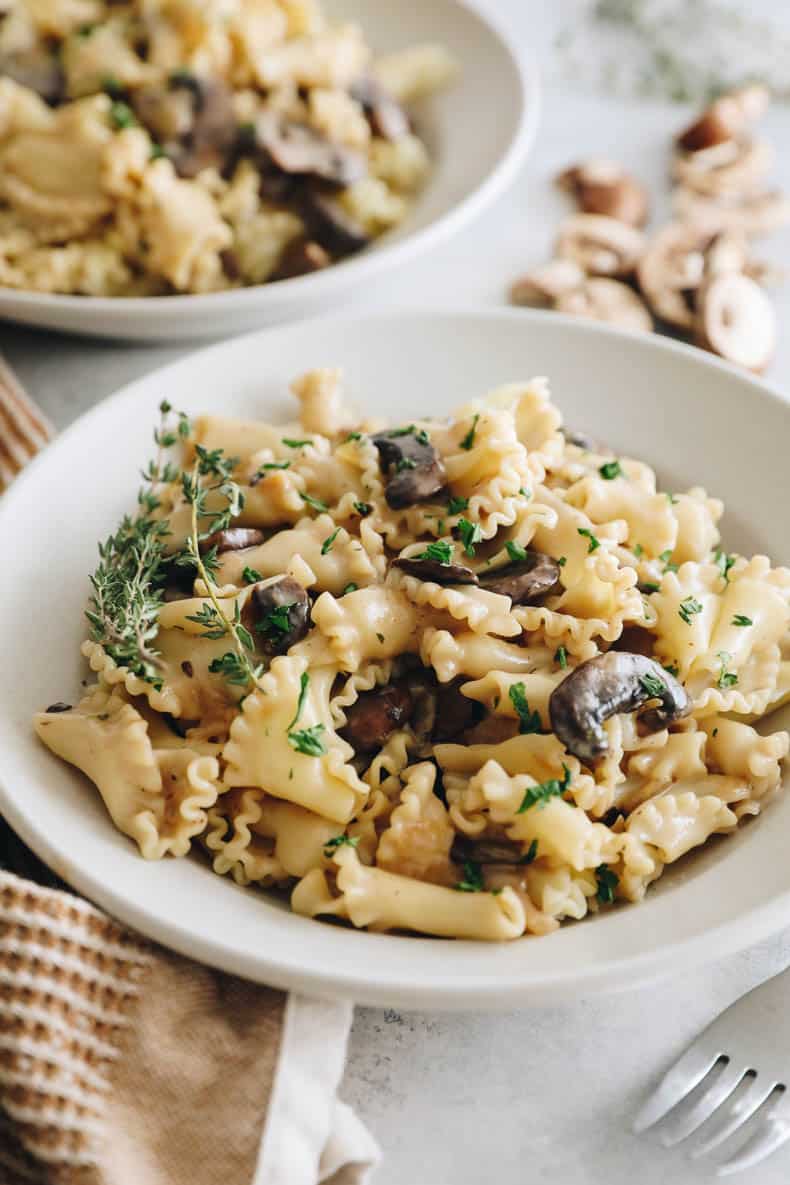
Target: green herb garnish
point(363, 508)
point(251, 575)
point(742, 620)
point(349, 588)
point(724, 562)
point(473, 878)
point(308, 741)
point(528, 721)
point(276, 621)
point(666, 559)
point(594, 543)
point(515, 551)
point(687, 608)
point(289, 442)
point(315, 503)
point(561, 657)
point(122, 115)
point(339, 841)
point(440, 551)
point(654, 687)
point(304, 684)
point(610, 470)
point(607, 882)
point(457, 505)
point(726, 678)
point(326, 546)
point(638, 550)
point(469, 439)
point(469, 534)
point(544, 791)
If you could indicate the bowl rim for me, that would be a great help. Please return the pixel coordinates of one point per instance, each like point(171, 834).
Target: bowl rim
point(358, 267)
point(745, 929)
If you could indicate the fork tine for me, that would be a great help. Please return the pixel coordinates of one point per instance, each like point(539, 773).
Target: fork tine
point(773, 1131)
point(741, 1109)
point(678, 1081)
point(716, 1094)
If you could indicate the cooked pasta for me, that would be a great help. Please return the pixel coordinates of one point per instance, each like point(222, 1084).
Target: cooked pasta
point(459, 676)
point(156, 147)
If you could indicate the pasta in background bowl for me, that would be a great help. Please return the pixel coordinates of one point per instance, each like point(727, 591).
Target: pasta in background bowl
point(238, 161)
point(461, 676)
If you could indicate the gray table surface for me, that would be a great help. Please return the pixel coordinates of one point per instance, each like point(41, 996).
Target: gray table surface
point(537, 1096)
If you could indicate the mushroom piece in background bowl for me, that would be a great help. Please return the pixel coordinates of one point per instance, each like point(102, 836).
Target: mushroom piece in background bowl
point(338, 224)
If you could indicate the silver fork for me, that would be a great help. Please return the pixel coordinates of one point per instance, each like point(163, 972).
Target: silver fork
point(739, 1065)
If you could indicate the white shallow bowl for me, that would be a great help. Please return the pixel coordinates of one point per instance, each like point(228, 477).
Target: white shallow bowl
point(694, 419)
point(478, 132)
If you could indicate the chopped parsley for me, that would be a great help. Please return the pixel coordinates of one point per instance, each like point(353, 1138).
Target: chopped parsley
point(353, 436)
point(380, 638)
point(272, 465)
point(276, 621)
point(562, 561)
point(666, 559)
point(671, 669)
point(339, 841)
point(396, 432)
point(250, 575)
point(473, 878)
point(457, 505)
point(524, 492)
point(349, 588)
point(315, 503)
point(405, 463)
point(726, 678)
point(610, 470)
point(607, 881)
point(363, 508)
point(231, 667)
point(469, 534)
point(289, 442)
point(671, 499)
point(544, 791)
point(422, 437)
point(469, 439)
point(304, 683)
point(594, 543)
point(308, 741)
point(654, 687)
point(740, 619)
point(561, 657)
point(638, 550)
point(528, 721)
point(530, 853)
point(326, 546)
point(122, 115)
point(723, 562)
point(515, 551)
point(649, 586)
point(688, 607)
point(157, 151)
point(440, 551)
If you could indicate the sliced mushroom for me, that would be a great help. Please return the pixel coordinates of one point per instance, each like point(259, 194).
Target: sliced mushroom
point(737, 321)
point(38, 70)
point(427, 569)
point(543, 286)
point(749, 214)
point(232, 539)
point(526, 582)
point(487, 851)
point(603, 187)
point(384, 113)
point(725, 118)
point(297, 148)
point(376, 715)
point(276, 634)
point(671, 270)
point(299, 258)
point(58, 707)
point(610, 301)
point(330, 225)
point(605, 686)
point(601, 246)
point(192, 118)
point(732, 168)
point(455, 713)
point(413, 467)
point(727, 252)
point(580, 440)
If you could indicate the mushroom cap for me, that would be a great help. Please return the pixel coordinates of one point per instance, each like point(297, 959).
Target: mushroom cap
point(487, 850)
point(300, 257)
point(376, 714)
point(418, 474)
point(737, 321)
point(330, 225)
point(525, 581)
point(601, 246)
point(541, 287)
point(385, 115)
point(726, 117)
point(731, 168)
point(297, 148)
point(750, 214)
point(279, 592)
point(674, 264)
point(232, 539)
point(427, 569)
point(604, 187)
point(605, 300)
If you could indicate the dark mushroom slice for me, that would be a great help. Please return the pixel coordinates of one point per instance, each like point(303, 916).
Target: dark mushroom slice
point(527, 581)
point(605, 686)
point(413, 467)
point(384, 113)
point(330, 225)
point(192, 118)
point(232, 539)
point(376, 715)
point(277, 614)
point(298, 149)
point(299, 258)
point(580, 440)
point(427, 569)
point(38, 70)
point(58, 707)
point(455, 713)
point(487, 851)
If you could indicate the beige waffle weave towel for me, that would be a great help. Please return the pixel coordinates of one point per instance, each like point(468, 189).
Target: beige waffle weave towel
point(124, 1064)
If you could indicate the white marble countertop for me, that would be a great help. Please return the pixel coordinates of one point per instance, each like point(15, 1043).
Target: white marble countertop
point(540, 1096)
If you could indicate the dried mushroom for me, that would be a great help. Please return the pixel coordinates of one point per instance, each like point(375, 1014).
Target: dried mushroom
point(737, 321)
point(603, 187)
point(277, 614)
point(413, 468)
point(527, 581)
point(605, 686)
point(611, 301)
point(601, 246)
point(376, 715)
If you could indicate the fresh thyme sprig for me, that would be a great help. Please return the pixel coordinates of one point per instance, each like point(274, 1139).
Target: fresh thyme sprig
point(123, 609)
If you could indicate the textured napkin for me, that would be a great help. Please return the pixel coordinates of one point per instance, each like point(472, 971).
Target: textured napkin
point(122, 1063)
